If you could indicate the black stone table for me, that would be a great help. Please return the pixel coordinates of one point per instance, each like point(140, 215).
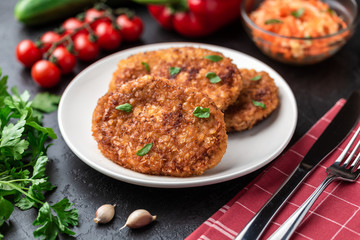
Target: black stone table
point(179, 211)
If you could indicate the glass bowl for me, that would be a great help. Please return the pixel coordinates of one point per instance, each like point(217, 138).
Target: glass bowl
point(301, 51)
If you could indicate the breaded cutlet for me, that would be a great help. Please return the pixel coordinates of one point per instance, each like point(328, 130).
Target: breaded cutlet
point(258, 99)
point(193, 70)
point(161, 114)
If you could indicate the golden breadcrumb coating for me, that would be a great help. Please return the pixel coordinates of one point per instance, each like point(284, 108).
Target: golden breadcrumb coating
point(194, 68)
point(244, 114)
point(162, 115)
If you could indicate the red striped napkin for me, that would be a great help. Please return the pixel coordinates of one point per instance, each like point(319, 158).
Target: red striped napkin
point(335, 215)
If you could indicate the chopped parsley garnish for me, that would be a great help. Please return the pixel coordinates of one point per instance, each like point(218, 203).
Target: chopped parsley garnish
point(201, 112)
point(125, 107)
point(272, 21)
point(146, 66)
point(174, 70)
point(258, 104)
point(256, 78)
point(298, 13)
point(213, 77)
point(214, 58)
point(144, 150)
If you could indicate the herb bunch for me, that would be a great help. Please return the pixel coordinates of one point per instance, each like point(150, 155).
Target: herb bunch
point(23, 159)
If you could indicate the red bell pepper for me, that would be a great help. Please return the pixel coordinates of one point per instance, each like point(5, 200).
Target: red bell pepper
point(163, 15)
point(193, 18)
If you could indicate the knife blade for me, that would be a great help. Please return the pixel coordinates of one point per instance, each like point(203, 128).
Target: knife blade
point(332, 136)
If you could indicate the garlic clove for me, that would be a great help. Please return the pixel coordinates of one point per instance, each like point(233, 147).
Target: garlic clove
point(139, 218)
point(105, 213)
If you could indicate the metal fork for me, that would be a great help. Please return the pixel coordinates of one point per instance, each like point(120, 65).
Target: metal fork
point(348, 170)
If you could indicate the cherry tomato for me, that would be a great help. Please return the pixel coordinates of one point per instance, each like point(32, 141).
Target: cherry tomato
point(65, 60)
point(70, 24)
point(130, 29)
point(48, 39)
point(86, 50)
point(45, 73)
point(92, 14)
point(108, 37)
point(27, 53)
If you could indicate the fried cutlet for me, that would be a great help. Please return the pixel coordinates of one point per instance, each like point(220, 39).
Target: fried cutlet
point(193, 70)
point(258, 89)
point(161, 115)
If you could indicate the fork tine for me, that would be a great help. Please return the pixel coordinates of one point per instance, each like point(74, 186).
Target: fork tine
point(352, 155)
point(355, 166)
point(347, 148)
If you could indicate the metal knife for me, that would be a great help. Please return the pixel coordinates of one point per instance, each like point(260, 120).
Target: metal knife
point(333, 135)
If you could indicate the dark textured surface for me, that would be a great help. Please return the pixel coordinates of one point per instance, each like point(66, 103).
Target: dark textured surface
point(179, 211)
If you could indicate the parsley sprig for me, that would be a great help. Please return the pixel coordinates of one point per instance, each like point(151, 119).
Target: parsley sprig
point(201, 112)
point(23, 159)
point(272, 21)
point(213, 78)
point(214, 58)
point(298, 13)
point(174, 71)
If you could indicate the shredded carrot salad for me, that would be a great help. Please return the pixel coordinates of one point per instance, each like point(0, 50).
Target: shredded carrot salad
point(301, 19)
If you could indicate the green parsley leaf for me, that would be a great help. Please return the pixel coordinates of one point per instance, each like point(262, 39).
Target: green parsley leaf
point(18, 103)
point(52, 225)
point(11, 143)
point(39, 167)
point(35, 191)
point(256, 78)
point(174, 70)
point(46, 102)
point(6, 190)
point(213, 77)
point(66, 215)
point(258, 104)
point(125, 107)
point(11, 134)
point(214, 58)
point(6, 208)
point(146, 66)
point(272, 21)
point(201, 112)
point(298, 13)
point(25, 203)
point(3, 89)
point(36, 144)
point(49, 230)
point(49, 131)
point(144, 150)
point(42, 184)
point(23, 98)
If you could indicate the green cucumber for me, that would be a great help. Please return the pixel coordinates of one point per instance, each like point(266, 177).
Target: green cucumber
point(37, 12)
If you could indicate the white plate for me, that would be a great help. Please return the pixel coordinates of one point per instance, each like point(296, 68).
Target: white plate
point(246, 152)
